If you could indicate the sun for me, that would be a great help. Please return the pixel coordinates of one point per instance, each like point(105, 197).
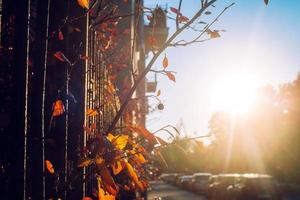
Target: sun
point(234, 93)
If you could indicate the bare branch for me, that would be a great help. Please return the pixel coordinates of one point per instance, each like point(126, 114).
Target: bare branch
point(150, 64)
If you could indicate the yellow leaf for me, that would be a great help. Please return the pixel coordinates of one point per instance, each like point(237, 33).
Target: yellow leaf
point(165, 62)
point(83, 3)
point(58, 108)
point(171, 76)
point(120, 141)
point(102, 195)
point(134, 176)
point(49, 167)
point(140, 158)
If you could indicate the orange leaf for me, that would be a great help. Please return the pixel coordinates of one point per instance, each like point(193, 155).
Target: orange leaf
point(60, 35)
point(171, 76)
point(92, 112)
point(158, 93)
point(83, 3)
point(49, 167)
point(165, 62)
point(58, 108)
point(134, 176)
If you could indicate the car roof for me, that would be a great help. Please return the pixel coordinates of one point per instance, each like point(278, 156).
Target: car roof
point(257, 176)
point(229, 175)
point(202, 174)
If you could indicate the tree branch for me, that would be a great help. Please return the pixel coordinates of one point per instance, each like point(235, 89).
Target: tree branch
point(150, 64)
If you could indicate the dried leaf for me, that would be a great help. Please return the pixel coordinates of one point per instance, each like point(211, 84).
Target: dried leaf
point(60, 35)
point(158, 93)
point(213, 34)
point(149, 17)
point(266, 2)
point(83, 3)
point(182, 18)
point(207, 13)
point(58, 108)
point(171, 76)
point(91, 112)
point(134, 176)
point(165, 62)
point(49, 167)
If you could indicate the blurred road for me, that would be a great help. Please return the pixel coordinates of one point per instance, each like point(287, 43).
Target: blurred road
point(169, 192)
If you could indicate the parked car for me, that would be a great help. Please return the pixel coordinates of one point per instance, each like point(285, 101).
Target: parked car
point(257, 187)
point(185, 181)
point(177, 179)
point(200, 182)
point(217, 189)
point(168, 178)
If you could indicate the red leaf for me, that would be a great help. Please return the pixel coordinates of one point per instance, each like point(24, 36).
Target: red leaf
point(60, 35)
point(174, 10)
point(149, 17)
point(61, 57)
point(171, 76)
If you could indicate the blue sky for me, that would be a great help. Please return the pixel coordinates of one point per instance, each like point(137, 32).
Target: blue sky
point(260, 41)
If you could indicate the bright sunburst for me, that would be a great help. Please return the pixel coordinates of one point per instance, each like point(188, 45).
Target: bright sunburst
point(234, 93)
